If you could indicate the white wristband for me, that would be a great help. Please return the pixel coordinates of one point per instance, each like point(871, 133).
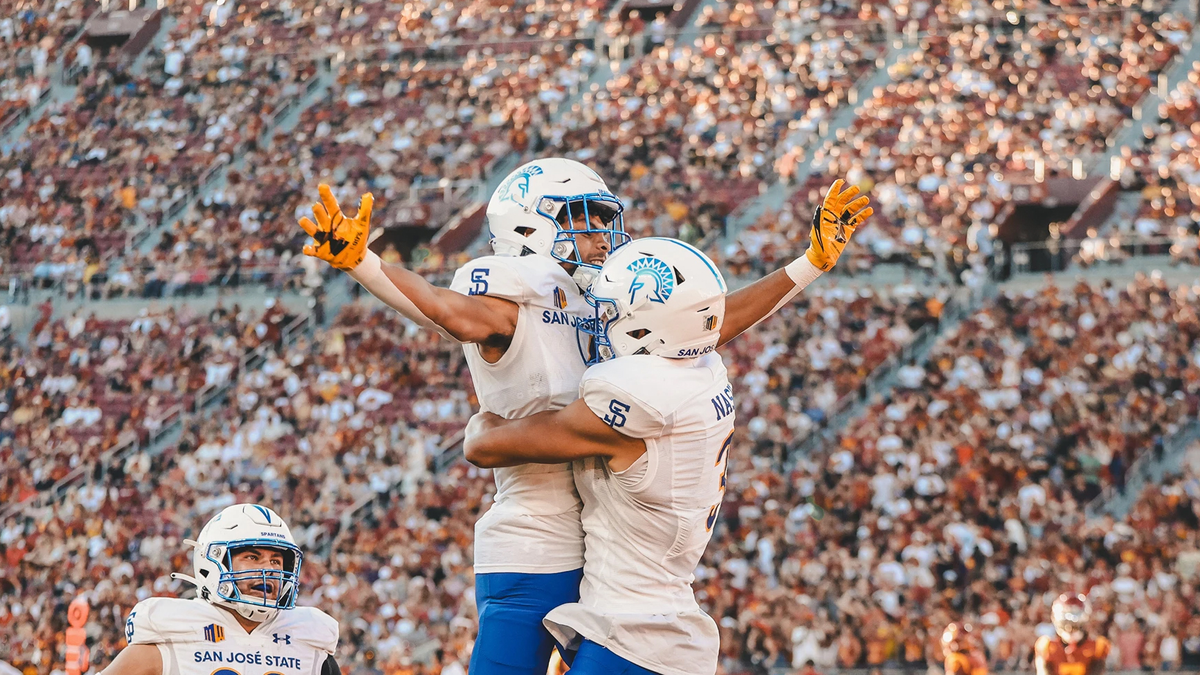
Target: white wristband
point(802, 271)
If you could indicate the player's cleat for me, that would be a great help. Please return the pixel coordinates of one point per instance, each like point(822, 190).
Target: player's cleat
point(338, 239)
point(836, 219)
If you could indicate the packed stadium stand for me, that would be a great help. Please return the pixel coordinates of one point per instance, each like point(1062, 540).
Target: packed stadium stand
point(932, 433)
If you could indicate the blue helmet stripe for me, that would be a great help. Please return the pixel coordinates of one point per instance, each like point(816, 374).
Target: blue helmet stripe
point(266, 513)
point(693, 251)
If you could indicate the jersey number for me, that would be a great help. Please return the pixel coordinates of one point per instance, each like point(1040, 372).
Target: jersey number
point(618, 410)
point(480, 279)
point(723, 455)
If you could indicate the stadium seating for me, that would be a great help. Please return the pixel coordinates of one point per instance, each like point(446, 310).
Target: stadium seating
point(366, 405)
point(1165, 170)
point(965, 494)
point(975, 473)
point(30, 41)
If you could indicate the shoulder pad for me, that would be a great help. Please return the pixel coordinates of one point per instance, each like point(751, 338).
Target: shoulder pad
point(519, 279)
point(605, 390)
point(157, 620)
point(309, 626)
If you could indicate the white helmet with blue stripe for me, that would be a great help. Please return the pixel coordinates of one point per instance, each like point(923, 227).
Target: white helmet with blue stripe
point(655, 296)
point(532, 211)
point(255, 593)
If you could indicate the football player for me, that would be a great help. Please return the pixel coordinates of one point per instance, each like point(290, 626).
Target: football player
point(553, 222)
point(1073, 651)
point(960, 651)
point(245, 620)
point(649, 438)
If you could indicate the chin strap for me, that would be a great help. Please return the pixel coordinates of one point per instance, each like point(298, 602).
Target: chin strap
point(184, 577)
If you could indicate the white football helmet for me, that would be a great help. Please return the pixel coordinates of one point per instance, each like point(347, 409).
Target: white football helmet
point(237, 527)
point(527, 213)
point(655, 296)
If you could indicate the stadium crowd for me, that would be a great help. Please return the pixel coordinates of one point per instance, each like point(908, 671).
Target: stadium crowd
point(976, 111)
point(91, 171)
point(31, 39)
point(963, 495)
point(86, 385)
point(345, 416)
point(707, 120)
point(701, 120)
point(1165, 169)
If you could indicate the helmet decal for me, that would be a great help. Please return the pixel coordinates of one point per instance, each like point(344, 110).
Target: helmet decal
point(266, 514)
point(643, 306)
point(516, 187)
point(652, 276)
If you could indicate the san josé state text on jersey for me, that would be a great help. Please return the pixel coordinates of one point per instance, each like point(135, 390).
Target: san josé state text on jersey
point(245, 658)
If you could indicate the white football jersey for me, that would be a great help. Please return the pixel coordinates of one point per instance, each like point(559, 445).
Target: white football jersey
point(534, 525)
point(198, 638)
point(645, 528)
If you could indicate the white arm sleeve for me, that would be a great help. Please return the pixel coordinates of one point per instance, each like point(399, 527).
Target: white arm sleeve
point(371, 276)
point(802, 272)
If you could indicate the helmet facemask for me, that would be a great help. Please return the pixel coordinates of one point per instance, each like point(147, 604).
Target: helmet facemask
point(595, 343)
point(568, 212)
point(273, 589)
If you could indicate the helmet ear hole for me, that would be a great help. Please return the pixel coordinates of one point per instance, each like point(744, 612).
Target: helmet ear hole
point(639, 333)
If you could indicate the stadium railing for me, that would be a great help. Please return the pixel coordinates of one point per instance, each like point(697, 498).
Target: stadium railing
point(168, 423)
point(1140, 470)
point(210, 176)
point(252, 359)
point(20, 116)
point(879, 381)
point(1055, 255)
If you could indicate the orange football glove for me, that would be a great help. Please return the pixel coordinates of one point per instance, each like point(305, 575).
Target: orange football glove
point(841, 212)
point(339, 240)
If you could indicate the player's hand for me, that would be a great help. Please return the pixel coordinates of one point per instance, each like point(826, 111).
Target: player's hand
point(338, 239)
point(841, 212)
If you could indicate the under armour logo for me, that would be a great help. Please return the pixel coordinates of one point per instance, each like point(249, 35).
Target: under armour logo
point(286, 639)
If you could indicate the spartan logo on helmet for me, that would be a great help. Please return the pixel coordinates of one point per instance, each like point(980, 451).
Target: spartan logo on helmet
point(516, 188)
point(652, 276)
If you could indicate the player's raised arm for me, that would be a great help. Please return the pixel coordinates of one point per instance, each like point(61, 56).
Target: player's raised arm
point(834, 222)
point(341, 241)
point(550, 437)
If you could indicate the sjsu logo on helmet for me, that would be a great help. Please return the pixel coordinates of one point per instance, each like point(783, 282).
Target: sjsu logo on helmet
point(516, 188)
point(652, 276)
